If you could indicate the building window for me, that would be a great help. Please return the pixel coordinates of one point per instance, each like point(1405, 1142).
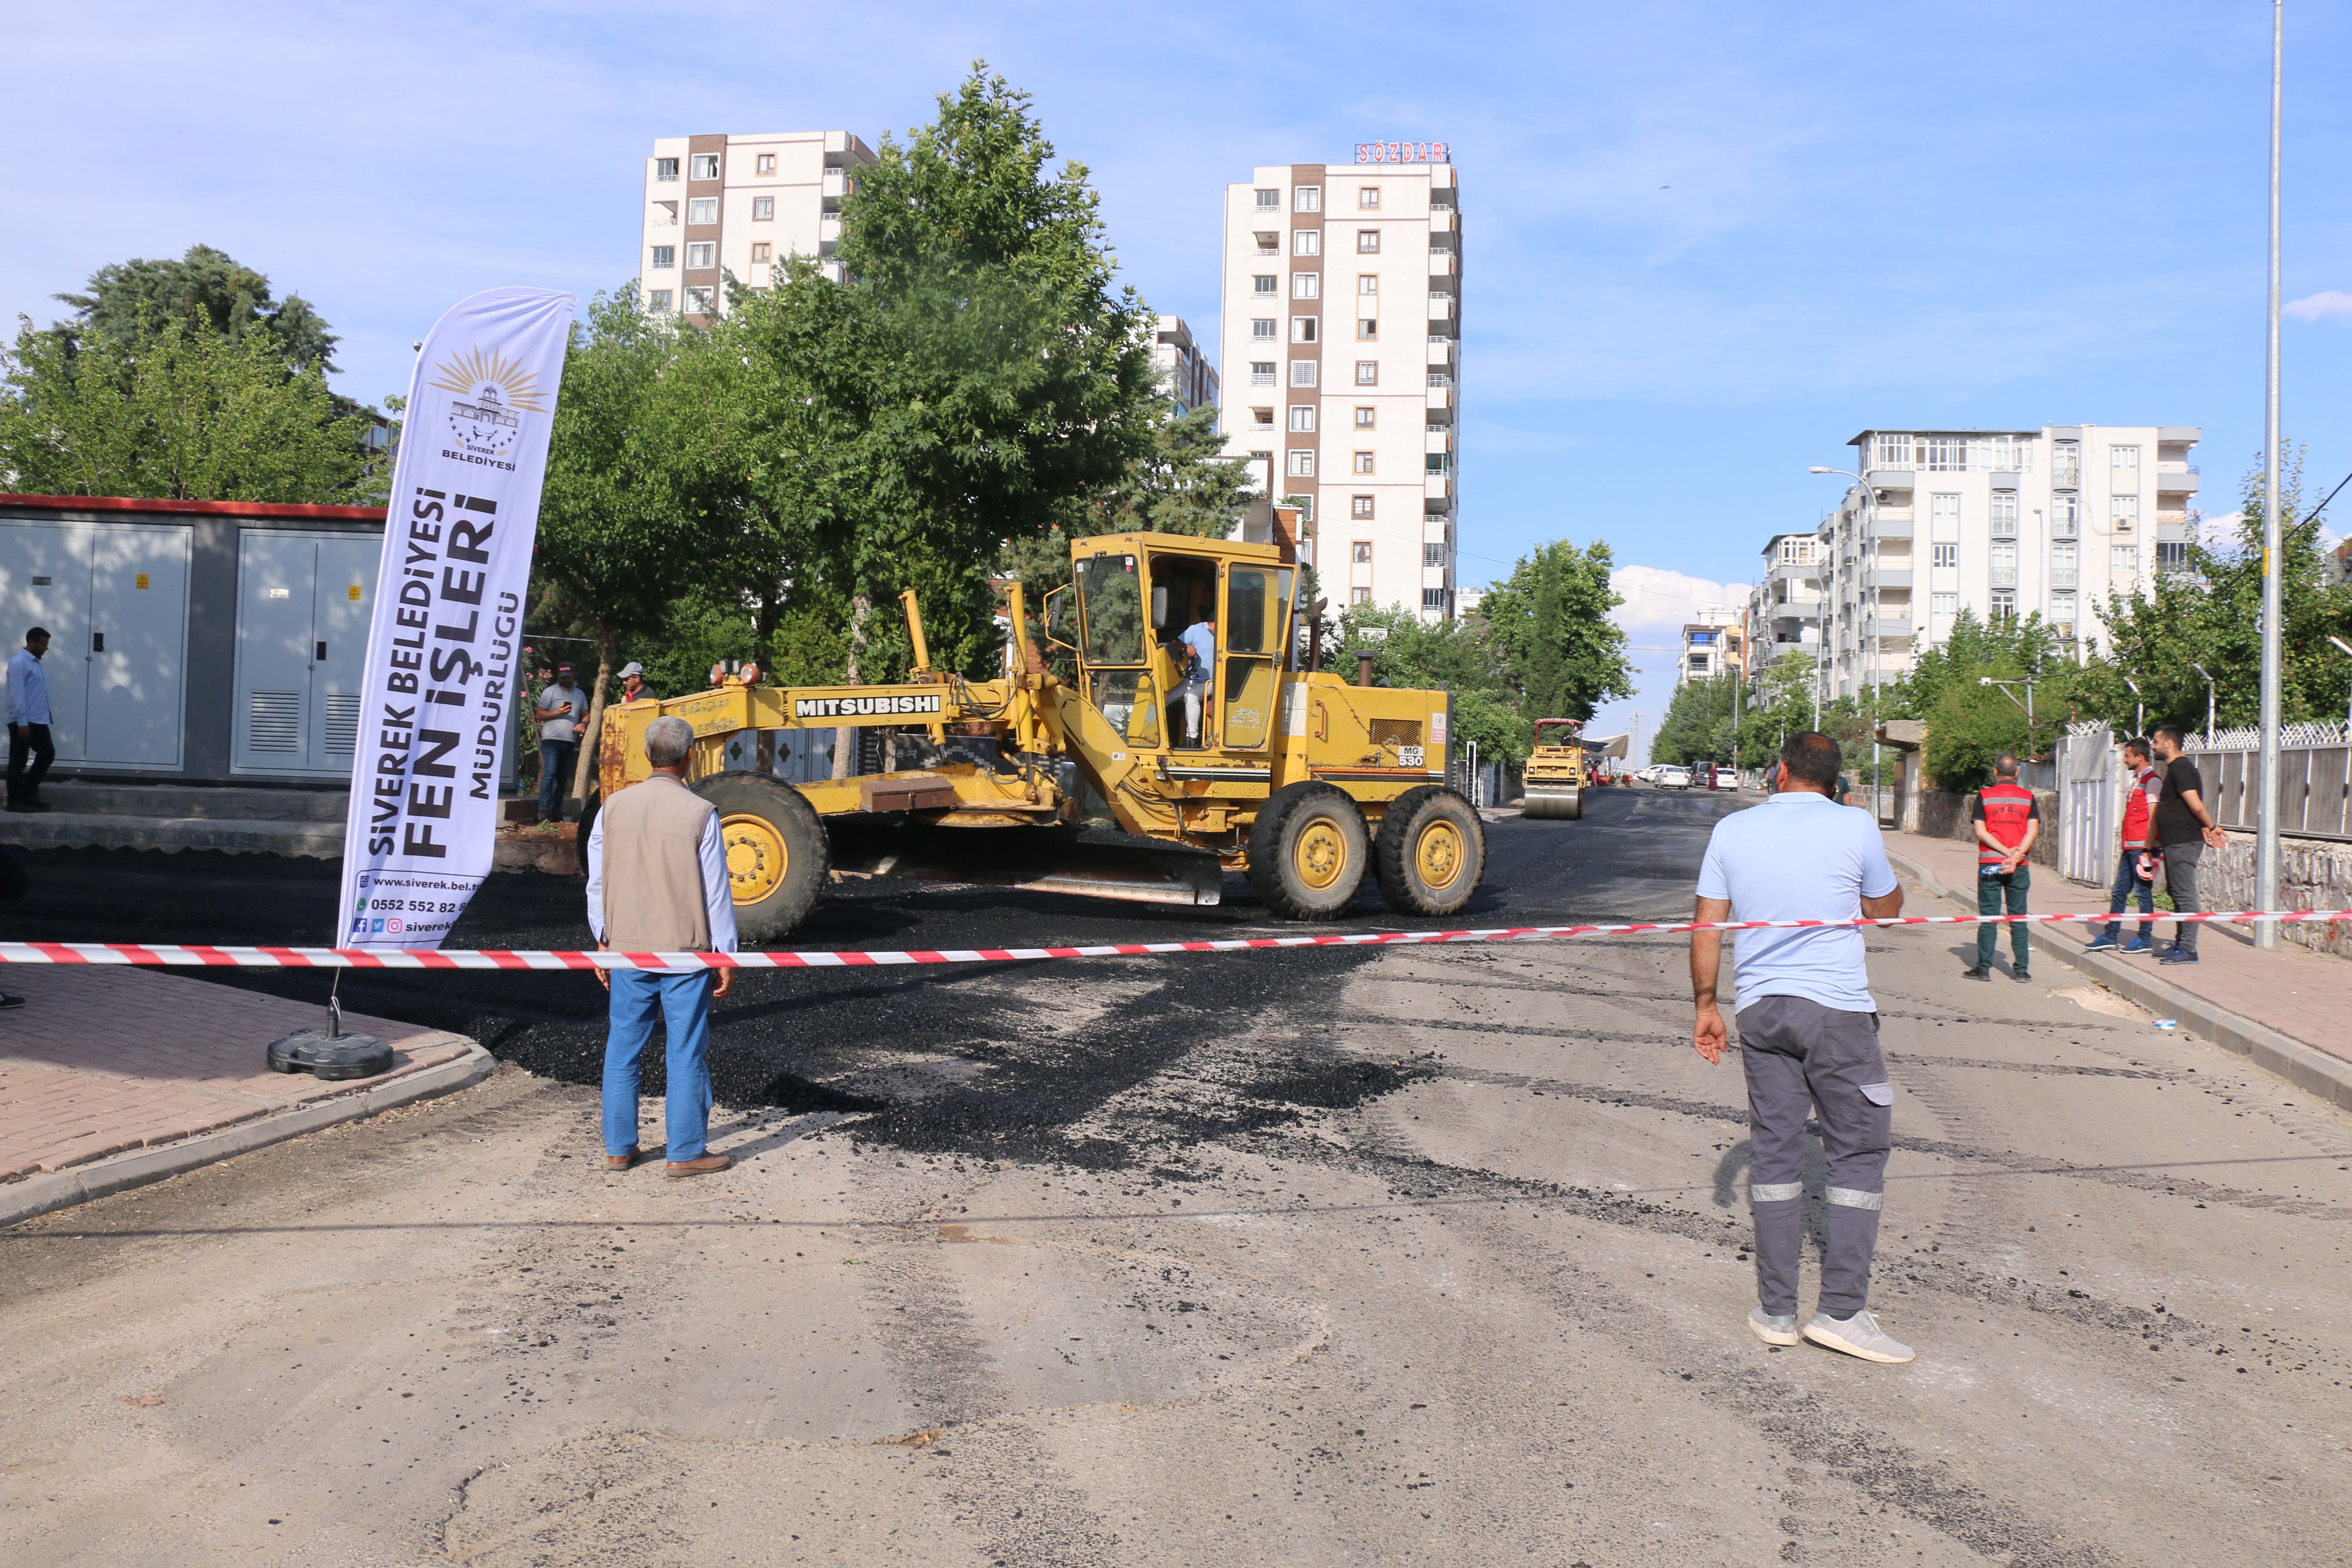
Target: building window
point(2065, 511)
point(1367, 197)
point(702, 253)
point(1945, 556)
point(1437, 462)
point(706, 166)
point(658, 299)
point(766, 163)
point(1263, 284)
point(2123, 462)
point(2004, 564)
point(1946, 454)
point(1894, 452)
point(1368, 242)
point(2004, 514)
point(1366, 416)
point(1367, 373)
point(1359, 595)
point(1269, 201)
point(702, 209)
point(1368, 330)
point(1302, 372)
point(2066, 464)
point(1433, 555)
point(1368, 282)
point(2123, 514)
point(762, 251)
point(1440, 376)
point(1302, 464)
point(1269, 242)
point(697, 302)
point(2062, 565)
point(1307, 199)
point(2172, 555)
point(1264, 416)
point(1361, 551)
point(665, 169)
point(2123, 561)
point(1303, 329)
point(1944, 607)
point(2004, 604)
point(1363, 461)
point(1943, 516)
point(2062, 615)
point(763, 209)
point(1262, 330)
point(1302, 418)
point(664, 257)
point(1306, 285)
point(1306, 242)
point(1359, 506)
point(1262, 374)
point(1432, 598)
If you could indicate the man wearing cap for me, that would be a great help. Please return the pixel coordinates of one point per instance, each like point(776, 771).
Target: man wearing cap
point(657, 883)
point(633, 683)
point(560, 708)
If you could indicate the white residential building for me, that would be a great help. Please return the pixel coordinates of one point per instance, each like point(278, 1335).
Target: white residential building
point(1184, 370)
point(1784, 610)
point(1341, 332)
point(1712, 643)
point(723, 205)
point(2005, 524)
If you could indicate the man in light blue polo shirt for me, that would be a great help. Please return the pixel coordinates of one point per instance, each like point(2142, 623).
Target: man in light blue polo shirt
point(29, 724)
point(1809, 1036)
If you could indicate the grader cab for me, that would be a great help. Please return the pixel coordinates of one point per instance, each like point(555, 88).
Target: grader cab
point(1139, 773)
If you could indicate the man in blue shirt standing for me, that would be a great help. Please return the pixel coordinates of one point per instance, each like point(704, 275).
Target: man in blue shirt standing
point(1809, 1036)
point(29, 724)
point(1200, 640)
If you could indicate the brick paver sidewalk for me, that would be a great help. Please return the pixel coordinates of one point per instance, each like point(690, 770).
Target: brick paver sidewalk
point(99, 1062)
point(2305, 995)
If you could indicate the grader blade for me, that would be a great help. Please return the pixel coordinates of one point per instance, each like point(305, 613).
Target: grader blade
point(1095, 863)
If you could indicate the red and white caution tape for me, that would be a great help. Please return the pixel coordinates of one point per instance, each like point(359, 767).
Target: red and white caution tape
point(156, 954)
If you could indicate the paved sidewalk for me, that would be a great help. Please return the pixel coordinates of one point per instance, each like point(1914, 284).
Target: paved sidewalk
point(2303, 995)
point(100, 1062)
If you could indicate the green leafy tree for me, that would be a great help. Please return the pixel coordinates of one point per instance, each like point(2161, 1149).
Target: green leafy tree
point(175, 412)
point(205, 291)
point(1550, 622)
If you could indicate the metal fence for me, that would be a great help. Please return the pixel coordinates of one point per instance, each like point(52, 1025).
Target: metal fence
point(2090, 784)
point(2314, 779)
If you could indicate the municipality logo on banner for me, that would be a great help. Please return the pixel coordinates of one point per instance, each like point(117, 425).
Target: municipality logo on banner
point(440, 686)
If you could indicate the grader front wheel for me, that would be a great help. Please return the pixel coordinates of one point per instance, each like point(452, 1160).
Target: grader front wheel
point(775, 850)
point(1431, 852)
point(1307, 852)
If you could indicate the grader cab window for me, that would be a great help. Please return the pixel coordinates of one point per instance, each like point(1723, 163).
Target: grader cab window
point(1183, 595)
point(1113, 595)
point(1255, 600)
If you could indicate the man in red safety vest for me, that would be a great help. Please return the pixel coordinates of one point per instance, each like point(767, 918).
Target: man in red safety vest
point(2136, 865)
point(2008, 820)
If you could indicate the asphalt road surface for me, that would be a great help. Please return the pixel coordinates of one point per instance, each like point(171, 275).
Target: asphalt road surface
point(1404, 1256)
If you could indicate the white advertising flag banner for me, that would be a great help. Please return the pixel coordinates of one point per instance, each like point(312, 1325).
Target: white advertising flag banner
point(441, 684)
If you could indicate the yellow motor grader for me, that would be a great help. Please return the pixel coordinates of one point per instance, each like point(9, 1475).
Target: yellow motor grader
point(1092, 782)
point(1557, 772)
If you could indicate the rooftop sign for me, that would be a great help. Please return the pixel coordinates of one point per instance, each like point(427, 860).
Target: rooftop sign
point(1401, 152)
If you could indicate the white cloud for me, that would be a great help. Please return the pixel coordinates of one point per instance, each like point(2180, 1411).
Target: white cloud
point(1659, 603)
point(2326, 302)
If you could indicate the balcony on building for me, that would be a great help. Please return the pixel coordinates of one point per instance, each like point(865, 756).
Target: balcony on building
point(2176, 478)
point(1445, 268)
point(837, 185)
point(1436, 491)
point(1892, 523)
point(1440, 403)
point(1444, 220)
point(1441, 314)
point(828, 233)
point(1886, 625)
point(1886, 577)
point(1793, 572)
point(1889, 478)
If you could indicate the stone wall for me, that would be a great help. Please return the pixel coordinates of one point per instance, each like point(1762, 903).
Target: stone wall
point(2313, 874)
point(1943, 814)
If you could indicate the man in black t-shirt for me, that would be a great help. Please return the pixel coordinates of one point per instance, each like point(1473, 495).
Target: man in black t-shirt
point(2182, 829)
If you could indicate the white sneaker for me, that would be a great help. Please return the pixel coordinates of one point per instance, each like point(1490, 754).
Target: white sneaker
point(1857, 1336)
point(1773, 1328)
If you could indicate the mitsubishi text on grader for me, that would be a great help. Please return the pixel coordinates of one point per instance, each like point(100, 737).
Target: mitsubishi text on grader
point(1299, 780)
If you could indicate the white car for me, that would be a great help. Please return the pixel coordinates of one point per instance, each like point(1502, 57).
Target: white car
point(1674, 778)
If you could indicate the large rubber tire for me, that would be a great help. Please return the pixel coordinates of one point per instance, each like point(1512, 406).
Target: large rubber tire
point(1431, 851)
point(777, 856)
point(1308, 852)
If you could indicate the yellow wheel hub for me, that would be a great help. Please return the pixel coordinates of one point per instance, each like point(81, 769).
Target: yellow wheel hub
point(1438, 854)
point(757, 859)
point(1320, 856)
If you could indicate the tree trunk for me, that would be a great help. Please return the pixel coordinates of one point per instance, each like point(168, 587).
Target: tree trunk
point(584, 770)
point(845, 736)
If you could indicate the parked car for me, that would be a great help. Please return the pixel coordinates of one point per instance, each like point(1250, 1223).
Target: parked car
point(1674, 778)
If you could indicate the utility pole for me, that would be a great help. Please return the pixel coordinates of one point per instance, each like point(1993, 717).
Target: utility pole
point(2266, 830)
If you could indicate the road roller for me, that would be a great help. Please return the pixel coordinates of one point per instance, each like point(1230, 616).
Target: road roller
point(1558, 771)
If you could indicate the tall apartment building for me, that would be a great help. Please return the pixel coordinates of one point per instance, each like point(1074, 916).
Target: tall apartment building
point(1184, 370)
point(1712, 645)
point(2005, 524)
point(1341, 333)
point(1784, 609)
point(728, 203)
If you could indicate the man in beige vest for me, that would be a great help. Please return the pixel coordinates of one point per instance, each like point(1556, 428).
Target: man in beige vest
point(657, 883)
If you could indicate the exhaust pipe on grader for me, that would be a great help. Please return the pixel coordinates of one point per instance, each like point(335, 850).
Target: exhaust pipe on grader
point(1303, 782)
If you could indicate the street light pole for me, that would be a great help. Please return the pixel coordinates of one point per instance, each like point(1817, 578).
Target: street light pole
point(2139, 720)
point(2209, 699)
point(2266, 829)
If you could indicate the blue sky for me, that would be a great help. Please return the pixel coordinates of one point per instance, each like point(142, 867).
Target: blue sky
point(1703, 244)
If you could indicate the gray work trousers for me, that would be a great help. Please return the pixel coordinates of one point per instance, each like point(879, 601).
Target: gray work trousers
point(2181, 880)
point(1797, 1053)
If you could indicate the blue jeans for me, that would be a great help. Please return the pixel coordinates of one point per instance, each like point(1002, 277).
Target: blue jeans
point(684, 1002)
point(1995, 887)
point(555, 763)
point(2128, 881)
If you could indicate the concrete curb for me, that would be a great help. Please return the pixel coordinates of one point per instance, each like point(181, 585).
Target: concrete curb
point(42, 1195)
point(2312, 1070)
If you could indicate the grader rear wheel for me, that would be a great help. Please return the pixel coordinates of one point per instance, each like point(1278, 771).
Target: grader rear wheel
point(1431, 852)
point(775, 850)
point(1307, 852)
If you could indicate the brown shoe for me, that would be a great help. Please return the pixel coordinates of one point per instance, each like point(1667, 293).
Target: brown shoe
point(709, 1164)
point(622, 1161)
